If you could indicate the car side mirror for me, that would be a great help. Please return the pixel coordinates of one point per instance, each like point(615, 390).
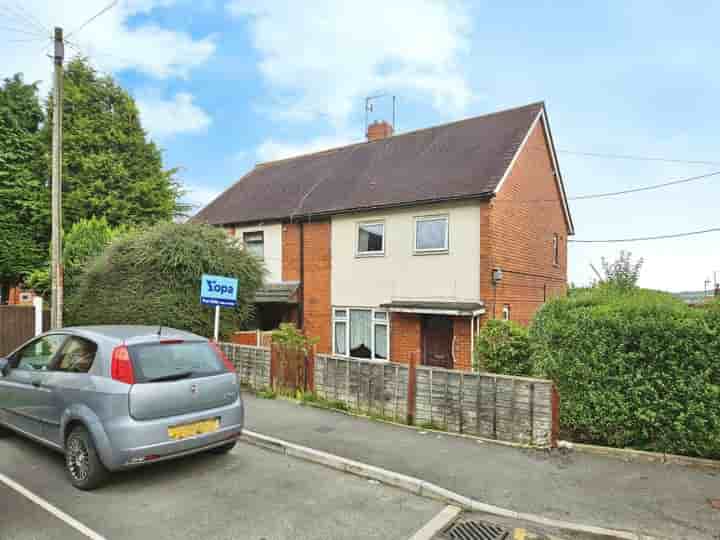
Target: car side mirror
point(4, 366)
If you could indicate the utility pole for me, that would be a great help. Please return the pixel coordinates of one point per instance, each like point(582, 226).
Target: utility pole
point(56, 311)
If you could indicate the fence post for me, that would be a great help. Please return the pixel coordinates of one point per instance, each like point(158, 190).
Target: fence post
point(310, 370)
point(38, 304)
point(412, 388)
point(555, 429)
point(273, 364)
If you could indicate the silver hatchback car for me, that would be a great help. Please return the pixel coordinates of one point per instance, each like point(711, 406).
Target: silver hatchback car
point(115, 397)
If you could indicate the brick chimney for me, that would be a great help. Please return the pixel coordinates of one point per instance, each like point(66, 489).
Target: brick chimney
point(379, 130)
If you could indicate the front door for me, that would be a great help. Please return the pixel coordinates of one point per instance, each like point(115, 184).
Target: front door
point(437, 342)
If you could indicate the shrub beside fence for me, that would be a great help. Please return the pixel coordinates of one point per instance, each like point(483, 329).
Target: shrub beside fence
point(505, 408)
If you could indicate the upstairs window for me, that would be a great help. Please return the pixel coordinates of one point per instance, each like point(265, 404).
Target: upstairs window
point(371, 239)
point(556, 250)
point(255, 243)
point(431, 234)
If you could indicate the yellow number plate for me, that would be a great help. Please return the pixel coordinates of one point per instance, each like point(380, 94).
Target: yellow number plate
point(196, 428)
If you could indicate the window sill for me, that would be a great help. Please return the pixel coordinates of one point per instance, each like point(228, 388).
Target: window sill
point(369, 255)
point(432, 252)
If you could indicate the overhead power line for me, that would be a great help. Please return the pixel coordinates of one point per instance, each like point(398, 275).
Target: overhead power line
point(617, 193)
point(632, 157)
point(91, 19)
point(24, 31)
point(24, 15)
point(646, 238)
point(645, 188)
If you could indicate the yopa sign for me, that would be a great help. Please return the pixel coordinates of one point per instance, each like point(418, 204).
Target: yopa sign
point(218, 291)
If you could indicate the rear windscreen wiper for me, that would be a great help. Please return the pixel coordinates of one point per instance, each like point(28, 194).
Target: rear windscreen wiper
point(172, 376)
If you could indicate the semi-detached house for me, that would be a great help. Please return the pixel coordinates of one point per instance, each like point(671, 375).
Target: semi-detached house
point(407, 243)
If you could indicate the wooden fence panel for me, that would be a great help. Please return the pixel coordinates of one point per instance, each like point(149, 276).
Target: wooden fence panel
point(513, 409)
point(17, 325)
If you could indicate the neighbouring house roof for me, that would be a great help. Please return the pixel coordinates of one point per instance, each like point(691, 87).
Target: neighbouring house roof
point(284, 293)
point(460, 160)
point(436, 308)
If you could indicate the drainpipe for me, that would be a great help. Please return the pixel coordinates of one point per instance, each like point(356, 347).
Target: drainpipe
point(472, 339)
point(301, 303)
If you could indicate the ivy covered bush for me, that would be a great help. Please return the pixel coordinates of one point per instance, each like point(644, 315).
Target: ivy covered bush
point(635, 368)
point(153, 276)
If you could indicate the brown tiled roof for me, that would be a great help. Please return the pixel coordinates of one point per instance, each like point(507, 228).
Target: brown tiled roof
point(460, 160)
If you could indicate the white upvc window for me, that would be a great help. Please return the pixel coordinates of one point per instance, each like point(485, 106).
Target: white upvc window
point(370, 239)
point(432, 234)
point(361, 332)
point(506, 312)
point(254, 242)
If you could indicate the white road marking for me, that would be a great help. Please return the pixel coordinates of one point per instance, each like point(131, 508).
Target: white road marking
point(72, 522)
point(446, 516)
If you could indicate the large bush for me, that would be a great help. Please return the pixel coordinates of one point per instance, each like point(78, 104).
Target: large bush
point(503, 347)
point(634, 368)
point(153, 277)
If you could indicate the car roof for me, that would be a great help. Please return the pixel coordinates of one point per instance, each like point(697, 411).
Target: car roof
point(131, 333)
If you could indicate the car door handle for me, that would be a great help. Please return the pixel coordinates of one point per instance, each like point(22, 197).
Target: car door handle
point(36, 384)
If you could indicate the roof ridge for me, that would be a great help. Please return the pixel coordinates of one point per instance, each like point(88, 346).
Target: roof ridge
point(264, 164)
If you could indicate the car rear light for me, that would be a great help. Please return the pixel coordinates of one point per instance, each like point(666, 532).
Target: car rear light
point(228, 364)
point(121, 368)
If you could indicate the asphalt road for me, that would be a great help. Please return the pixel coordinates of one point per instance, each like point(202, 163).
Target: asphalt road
point(250, 493)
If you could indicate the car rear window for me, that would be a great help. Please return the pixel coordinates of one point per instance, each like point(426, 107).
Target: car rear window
point(161, 360)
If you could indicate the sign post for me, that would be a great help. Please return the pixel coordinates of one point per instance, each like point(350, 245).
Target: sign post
point(218, 291)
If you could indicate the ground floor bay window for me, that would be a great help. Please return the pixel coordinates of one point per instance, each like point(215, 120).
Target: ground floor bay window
point(361, 332)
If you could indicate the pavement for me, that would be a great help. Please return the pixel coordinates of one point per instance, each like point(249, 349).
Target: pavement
point(665, 501)
point(250, 493)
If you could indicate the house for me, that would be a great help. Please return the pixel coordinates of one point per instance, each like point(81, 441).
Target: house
point(408, 243)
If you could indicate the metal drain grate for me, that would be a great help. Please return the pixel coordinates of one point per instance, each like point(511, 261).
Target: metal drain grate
point(476, 530)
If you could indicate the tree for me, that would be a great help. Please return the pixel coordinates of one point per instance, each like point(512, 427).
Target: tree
point(23, 190)
point(85, 240)
point(622, 273)
point(110, 168)
point(153, 277)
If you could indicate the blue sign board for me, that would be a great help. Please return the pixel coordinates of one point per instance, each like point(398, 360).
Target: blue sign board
point(218, 291)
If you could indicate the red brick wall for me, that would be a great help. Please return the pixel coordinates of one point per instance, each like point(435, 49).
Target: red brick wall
point(461, 343)
point(405, 332)
point(317, 310)
point(516, 234)
point(291, 252)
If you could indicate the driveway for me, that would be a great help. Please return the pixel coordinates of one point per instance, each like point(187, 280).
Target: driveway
point(249, 493)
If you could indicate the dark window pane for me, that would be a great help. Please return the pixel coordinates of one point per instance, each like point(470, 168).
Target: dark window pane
point(371, 238)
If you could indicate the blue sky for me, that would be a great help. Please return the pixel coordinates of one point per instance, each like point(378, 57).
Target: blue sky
point(223, 84)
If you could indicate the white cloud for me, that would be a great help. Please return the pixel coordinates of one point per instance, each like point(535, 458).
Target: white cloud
point(330, 54)
point(110, 42)
point(271, 149)
point(164, 118)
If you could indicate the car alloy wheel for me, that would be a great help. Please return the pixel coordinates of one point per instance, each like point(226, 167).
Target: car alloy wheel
point(78, 459)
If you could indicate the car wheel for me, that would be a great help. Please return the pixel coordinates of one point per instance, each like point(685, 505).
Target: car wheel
point(224, 449)
point(82, 462)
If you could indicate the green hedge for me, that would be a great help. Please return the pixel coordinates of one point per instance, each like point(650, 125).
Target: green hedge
point(153, 277)
point(635, 369)
point(503, 347)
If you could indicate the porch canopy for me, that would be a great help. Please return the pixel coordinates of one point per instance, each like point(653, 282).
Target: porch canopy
point(278, 293)
point(458, 309)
